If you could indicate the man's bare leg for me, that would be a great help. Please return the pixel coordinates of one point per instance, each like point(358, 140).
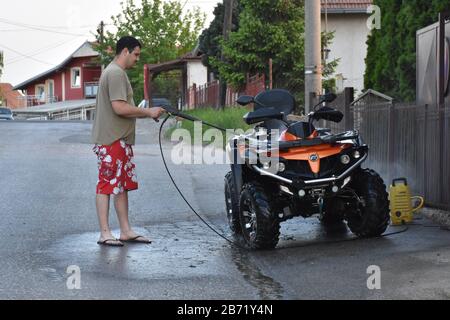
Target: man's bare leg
point(121, 206)
point(102, 203)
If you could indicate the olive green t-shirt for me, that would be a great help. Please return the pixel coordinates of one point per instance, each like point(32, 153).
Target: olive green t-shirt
point(108, 126)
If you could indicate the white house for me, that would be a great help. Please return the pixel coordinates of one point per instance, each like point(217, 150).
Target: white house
point(348, 19)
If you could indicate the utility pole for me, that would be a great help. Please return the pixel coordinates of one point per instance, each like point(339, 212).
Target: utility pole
point(313, 59)
point(227, 24)
point(270, 74)
point(101, 32)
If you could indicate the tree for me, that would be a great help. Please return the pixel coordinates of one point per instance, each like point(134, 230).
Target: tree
point(382, 47)
point(164, 31)
point(391, 57)
point(268, 29)
point(209, 41)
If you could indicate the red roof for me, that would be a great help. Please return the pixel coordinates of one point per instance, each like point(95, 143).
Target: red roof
point(346, 4)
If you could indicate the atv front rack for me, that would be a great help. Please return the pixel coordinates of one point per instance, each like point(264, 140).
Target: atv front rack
point(300, 184)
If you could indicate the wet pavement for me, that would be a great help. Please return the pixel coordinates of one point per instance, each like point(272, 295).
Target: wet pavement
point(47, 183)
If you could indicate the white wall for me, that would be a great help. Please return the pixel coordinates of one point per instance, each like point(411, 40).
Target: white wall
point(196, 73)
point(349, 44)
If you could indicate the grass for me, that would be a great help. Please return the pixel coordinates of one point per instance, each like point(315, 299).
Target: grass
point(229, 118)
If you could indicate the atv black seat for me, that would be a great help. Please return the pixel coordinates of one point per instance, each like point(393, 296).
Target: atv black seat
point(280, 99)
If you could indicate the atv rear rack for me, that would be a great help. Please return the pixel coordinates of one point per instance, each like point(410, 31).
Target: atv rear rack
point(312, 183)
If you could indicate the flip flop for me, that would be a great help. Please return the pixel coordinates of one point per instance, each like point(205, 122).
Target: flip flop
point(136, 240)
point(108, 243)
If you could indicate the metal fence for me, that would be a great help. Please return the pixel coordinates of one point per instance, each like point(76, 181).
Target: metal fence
point(36, 100)
point(204, 96)
point(81, 113)
point(208, 95)
point(409, 141)
point(405, 140)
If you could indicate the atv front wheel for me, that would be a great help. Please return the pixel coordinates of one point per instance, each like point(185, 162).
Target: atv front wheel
point(260, 227)
point(370, 217)
point(232, 204)
point(334, 213)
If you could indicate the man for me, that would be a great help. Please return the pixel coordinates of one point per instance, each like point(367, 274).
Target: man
point(114, 135)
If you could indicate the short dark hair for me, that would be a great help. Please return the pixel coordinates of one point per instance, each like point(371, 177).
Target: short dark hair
point(127, 42)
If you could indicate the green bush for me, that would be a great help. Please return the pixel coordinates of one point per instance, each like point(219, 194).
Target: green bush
point(391, 53)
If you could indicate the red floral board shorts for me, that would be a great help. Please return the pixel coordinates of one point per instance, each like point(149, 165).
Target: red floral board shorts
point(116, 168)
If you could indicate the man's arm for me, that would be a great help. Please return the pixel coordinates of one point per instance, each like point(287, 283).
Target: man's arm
point(125, 110)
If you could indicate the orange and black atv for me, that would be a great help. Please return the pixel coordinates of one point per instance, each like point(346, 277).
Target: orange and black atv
point(285, 169)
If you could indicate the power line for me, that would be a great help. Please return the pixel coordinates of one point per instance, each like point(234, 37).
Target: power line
point(55, 27)
point(38, 28)
point(184, 5)
point(24, 55)
point(195, 2)
point(63, 27)
point(39, 51)
point(51, 27)
point(13, 30)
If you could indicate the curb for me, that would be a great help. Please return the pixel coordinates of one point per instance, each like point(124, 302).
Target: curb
point(440, 217)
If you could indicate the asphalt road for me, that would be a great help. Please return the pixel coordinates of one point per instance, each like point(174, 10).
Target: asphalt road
point(47, 182)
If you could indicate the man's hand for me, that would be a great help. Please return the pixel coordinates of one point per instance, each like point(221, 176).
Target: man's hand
point(156, 112)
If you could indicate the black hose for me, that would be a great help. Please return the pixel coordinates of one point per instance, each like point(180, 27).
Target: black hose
point(181, 194)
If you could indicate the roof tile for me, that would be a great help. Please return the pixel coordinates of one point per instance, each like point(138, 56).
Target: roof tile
point(346, 4)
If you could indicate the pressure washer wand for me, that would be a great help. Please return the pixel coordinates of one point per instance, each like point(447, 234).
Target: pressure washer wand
point(177, 113)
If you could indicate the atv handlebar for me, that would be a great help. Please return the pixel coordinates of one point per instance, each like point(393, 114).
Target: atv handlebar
point(300, 143)
point(332, 139)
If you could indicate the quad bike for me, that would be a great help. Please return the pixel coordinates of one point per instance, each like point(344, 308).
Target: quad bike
point(316, 172)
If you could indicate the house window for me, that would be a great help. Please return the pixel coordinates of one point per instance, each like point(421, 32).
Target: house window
point(40, 92)
point(51, 91)
point(76, 77)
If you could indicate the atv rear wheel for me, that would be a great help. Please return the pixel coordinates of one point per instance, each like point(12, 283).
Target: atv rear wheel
point(232, 204)
point(260, 227)
point(371, 216)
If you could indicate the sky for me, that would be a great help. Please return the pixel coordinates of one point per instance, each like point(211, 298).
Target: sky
point(35, 35)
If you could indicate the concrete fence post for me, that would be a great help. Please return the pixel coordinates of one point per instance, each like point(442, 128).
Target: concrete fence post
point(349, 97)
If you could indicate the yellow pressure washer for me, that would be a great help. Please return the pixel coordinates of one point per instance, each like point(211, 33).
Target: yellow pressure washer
point(402, 211)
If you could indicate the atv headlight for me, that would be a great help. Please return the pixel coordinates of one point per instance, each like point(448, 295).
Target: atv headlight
point(281, 167)
point(356, 155)
point(345, 159)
